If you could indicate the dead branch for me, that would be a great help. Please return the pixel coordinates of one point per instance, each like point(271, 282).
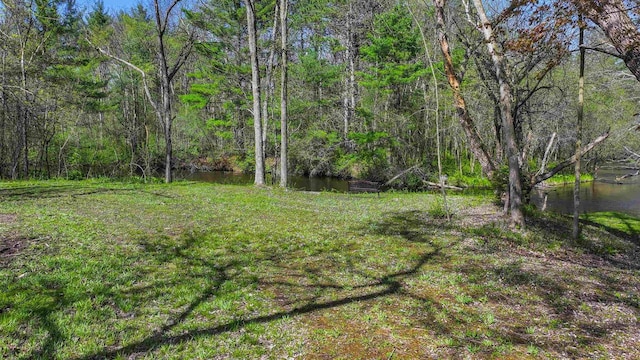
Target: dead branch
point(544, 176)
point(545, 158)
point(620, 178)
point(402, 173)
point(450, 187)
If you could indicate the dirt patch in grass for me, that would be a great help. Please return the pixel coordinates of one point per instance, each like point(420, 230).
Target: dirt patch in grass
point(8, 218)
point(10, 244)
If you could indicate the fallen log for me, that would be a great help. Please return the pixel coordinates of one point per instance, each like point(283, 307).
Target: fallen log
point(619, 178)
point(450, 187)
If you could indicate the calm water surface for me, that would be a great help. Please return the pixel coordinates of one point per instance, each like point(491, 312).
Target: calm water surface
point(296, 182)
point(604, 194)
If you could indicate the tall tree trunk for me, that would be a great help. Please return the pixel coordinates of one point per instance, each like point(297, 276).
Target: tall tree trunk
point(613, 18)
point(576, 188)
point(283, 95)
point(350, 80)
point(255, 89)
point(511, 146)
point(24, 114)
point(269, 80)
point(466, 121)
point(166, 116)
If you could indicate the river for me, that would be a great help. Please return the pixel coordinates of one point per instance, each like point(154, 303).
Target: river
point(603, 194)
point(295, 182)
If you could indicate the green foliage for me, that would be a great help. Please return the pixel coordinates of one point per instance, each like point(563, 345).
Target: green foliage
point(370, 155)
point(393, 47)
point(437, 209)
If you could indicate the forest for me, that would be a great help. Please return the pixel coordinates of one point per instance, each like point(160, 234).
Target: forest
point(109, 251)
point(350, 89)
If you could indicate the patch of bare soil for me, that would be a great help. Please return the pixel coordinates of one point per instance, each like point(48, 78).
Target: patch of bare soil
point(480, 215)
point(8, 218)
point(10, 244)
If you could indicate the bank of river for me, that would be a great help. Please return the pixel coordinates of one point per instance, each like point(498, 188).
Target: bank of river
point(604, 194)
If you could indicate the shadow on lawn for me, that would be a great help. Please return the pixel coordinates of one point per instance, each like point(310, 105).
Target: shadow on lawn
point(632, 232)
point(313, 296)
point(73, 190)
point(507, 281)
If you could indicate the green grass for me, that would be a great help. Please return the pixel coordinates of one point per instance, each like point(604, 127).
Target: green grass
point(101, 269)
point(615, 221)
point(564, 179)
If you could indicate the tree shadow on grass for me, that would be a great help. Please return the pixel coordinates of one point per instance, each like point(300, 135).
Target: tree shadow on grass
point(309, 289)
point(304, 283)
point(73, 190)
point(631, 226)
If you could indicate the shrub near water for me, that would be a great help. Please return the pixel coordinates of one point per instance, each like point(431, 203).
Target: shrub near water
point(121, 270)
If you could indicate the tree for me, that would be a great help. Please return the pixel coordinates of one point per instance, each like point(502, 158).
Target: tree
point(283, 94)
point(255, 90)
point(509, 135)
point(576, 188)
point(163, 107)
point(466, 121)
point(612, 16)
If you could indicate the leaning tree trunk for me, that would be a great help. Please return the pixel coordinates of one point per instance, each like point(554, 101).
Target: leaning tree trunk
point(613, 18)
point(255, 89)
point(506, 96)
point(466, 121)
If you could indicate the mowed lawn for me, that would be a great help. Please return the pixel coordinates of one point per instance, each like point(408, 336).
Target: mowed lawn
point(94, 270)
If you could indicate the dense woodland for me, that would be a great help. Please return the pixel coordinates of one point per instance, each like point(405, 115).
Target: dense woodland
point(372, 88)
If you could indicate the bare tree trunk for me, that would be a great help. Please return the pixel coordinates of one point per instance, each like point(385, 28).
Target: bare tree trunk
point(283, 95)
point(466, 121)
point(164, 109)
point(24, 113)
point(576, 188)
point(269, 80)
point(506, 96)
point(255, 88)
point(350, 81)
point(166, 116)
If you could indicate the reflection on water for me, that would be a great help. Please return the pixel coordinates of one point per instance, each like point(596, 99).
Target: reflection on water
point(295, 182)
point(601, 195)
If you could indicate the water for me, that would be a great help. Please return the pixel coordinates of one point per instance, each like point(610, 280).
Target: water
point(295, 182)
point(604, 194)
point(601, 195)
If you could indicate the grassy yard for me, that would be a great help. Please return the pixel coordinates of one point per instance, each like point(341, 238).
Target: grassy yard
point(94, 270)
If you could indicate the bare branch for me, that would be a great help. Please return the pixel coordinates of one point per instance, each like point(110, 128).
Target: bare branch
point(544, 176)
point(168, 13)
point(604, 51)
point(134, 67)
